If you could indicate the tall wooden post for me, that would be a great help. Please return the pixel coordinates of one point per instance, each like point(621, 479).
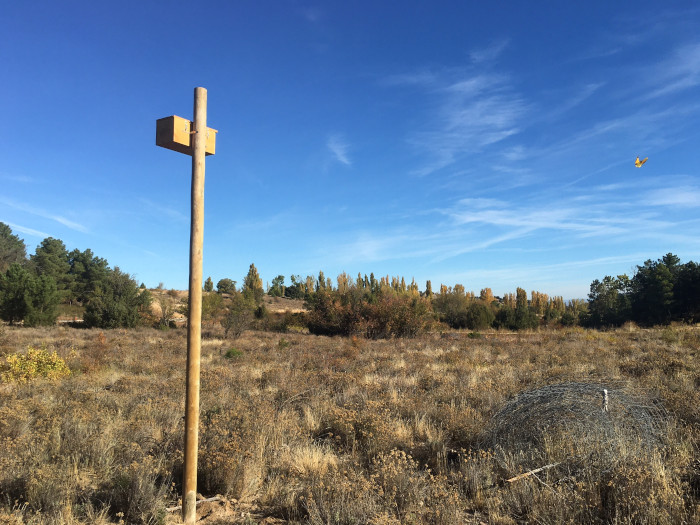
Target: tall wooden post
point(194, 325)
point(195, 139)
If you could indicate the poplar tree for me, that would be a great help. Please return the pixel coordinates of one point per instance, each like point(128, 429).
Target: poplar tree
point(343, 281)
point(486, 295)
point(252, 285)
point(310, 284)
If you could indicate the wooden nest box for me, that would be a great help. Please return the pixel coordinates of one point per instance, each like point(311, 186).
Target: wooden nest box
point(176, 133)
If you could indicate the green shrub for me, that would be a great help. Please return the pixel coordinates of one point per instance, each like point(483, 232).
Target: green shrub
point(116, 302)
point(232, 353)
point(479, 316)
point(569, 319)
point(239, 316)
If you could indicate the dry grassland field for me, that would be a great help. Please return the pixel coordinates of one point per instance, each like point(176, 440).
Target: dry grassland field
point(560, 426)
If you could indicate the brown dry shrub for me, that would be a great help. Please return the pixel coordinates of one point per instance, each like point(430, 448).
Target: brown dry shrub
point(403, 486)
point(327, 430)
point(345, 497)
point(642, 490)
point(365, 427)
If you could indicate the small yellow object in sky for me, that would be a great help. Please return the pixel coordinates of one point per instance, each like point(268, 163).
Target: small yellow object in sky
point(639, 163)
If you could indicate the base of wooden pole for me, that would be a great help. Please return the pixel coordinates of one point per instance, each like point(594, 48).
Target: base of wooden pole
point(189, 508)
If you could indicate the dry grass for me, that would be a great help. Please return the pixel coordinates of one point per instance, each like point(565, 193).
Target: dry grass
point(304, 429)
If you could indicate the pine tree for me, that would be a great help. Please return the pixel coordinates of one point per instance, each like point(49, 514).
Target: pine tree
point(43, 299)
point(51, 259)
point(14, 286)
point(116, 303)
point(12, 248)
point(208, 285)
point(87, 271)
point(27, 297)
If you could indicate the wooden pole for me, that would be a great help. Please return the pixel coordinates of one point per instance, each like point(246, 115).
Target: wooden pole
point(194, 324)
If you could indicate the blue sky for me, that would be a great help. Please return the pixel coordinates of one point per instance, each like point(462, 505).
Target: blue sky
point(490, 144)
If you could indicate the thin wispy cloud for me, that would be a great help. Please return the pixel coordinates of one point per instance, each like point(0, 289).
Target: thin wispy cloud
point(479, 225)
point(274, 222)
point(584, 221)
point(489, 53)
point(643, 128)
point(23, 179)
point(419, 78)
point(27, 231)
point(571, 101)
point(311, 14)
point(598, 53)
point(339, 148)
point(612, 187)
point(515, 154)
point(41, 213)
point(613, 44)
point(162, 211)
point(685, 196)
point(677, 73)
point(507, 277)
point(473, 113)
point(486, 242)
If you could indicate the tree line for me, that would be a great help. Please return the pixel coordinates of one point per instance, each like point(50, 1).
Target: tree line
point(659, 292)
point(33, 287)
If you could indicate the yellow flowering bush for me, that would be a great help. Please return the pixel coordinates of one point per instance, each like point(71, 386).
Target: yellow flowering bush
point(36, 362)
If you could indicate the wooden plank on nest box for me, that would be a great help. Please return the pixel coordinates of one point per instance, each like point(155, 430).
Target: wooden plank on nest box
point(175, 133)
